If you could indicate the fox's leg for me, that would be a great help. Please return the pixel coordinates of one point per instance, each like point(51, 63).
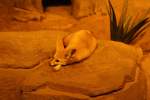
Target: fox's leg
point(80, 55)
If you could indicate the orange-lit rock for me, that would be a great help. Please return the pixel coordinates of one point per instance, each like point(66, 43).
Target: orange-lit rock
point(32, 9)
point(111, 72)
point(24, 69)
point(26, 49)
point(144, 41)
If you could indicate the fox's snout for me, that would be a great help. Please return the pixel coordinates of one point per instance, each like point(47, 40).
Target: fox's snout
point(57, 62)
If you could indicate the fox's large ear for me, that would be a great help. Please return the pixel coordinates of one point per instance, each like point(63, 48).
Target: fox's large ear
point(59, 46)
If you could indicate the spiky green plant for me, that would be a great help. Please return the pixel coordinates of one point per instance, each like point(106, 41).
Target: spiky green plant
point(128, 28)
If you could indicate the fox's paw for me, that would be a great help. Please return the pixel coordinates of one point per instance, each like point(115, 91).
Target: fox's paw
point(57, 67)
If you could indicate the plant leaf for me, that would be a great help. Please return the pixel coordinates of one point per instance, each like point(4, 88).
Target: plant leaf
point(133, 31)
point(113, 22)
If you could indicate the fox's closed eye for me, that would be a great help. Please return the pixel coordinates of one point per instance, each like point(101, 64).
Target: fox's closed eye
point(57, 60)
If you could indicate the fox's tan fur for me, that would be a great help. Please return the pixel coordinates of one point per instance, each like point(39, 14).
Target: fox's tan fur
point(74, 48)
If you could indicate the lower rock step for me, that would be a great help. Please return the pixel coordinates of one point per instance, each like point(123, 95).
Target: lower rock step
point(135, 90)
point(49, 94)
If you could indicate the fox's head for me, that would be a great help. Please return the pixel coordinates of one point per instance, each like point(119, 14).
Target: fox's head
point(62, 55)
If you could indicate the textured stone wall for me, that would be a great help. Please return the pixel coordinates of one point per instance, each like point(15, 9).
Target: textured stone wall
point(24, 10)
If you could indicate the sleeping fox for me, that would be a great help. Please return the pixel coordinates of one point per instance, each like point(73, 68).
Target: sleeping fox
point(73, 48)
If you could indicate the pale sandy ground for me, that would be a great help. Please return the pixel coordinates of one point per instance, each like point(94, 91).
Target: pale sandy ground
point(64, 21)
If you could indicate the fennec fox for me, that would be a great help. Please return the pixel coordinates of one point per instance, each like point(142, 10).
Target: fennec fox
point(73, 48)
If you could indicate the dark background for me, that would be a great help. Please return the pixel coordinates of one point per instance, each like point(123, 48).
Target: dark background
point(47, 3)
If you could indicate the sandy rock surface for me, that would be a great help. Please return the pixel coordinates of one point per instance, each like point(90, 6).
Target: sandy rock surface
point(146, 68)
point(108, 71)
point(144, 41)
point(26, 75)
point(26, 49)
